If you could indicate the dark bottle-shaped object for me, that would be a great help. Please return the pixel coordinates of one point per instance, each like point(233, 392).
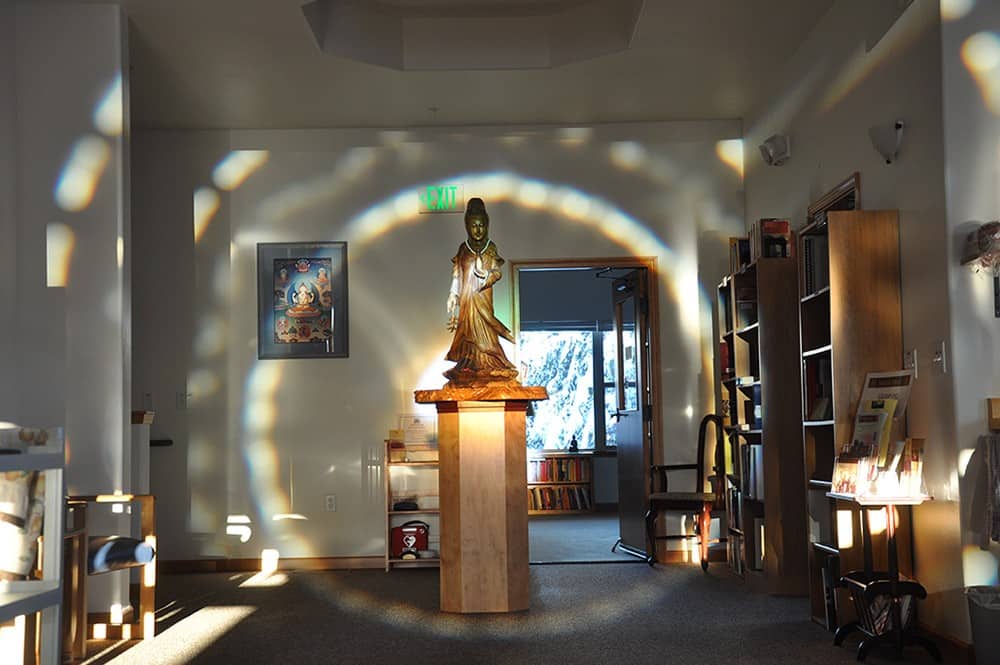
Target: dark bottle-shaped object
point(107, 553)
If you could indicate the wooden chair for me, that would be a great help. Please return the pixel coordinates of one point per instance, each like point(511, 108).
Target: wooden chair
point(703, 505)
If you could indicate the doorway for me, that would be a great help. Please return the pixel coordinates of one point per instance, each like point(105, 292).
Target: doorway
point(575, 325)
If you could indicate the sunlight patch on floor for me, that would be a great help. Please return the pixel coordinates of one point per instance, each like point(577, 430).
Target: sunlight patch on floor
point(180, 643)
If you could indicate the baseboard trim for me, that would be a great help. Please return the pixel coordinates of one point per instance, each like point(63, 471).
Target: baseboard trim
point(253, 565)
point(964, 649)
point(681, 556)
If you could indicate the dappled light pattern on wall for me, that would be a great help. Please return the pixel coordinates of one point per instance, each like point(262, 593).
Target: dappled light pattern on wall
point(206, 204)
point(60, 240)
point(731, 153)
point(981, 55)
point(82, 173)
point(109, 114)
point(862, 62)
point(952, 10)
point(366, 195)
point(236, 167)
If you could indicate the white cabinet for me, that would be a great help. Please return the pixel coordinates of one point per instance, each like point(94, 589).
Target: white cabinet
point(44, 595)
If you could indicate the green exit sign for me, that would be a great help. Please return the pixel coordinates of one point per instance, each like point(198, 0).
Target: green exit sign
point(442, 198)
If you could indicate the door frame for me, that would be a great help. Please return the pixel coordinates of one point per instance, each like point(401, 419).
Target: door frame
point(653, 293)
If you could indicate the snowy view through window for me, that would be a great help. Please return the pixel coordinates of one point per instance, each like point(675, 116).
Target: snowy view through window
point(563, 362)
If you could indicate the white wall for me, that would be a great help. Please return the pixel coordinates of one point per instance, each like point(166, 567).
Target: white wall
point(72, 341)
point(8, 208)
point(649, 190)
point(971, 139)
point(831, 92)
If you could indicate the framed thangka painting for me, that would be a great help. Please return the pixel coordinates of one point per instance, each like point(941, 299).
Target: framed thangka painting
point(302, 300)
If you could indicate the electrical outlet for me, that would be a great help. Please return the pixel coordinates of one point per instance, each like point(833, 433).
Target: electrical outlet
point(940, 357)
point(331, 503)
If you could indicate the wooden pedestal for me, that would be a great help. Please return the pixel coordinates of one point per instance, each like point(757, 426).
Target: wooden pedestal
point(484, 498)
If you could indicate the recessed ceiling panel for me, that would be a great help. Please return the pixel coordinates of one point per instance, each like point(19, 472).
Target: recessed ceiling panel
point(462, 36)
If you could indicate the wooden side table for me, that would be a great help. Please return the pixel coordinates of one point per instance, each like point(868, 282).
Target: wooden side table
point(888, 625)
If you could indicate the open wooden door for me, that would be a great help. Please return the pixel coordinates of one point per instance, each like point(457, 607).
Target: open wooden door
point(634, 409)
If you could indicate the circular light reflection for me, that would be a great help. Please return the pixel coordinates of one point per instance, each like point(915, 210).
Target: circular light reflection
point(952, 10)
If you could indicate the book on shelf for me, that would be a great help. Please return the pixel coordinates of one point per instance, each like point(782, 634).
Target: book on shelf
point(735, 544)
point(746, 313)
point(753, 408)
point(773, 238)
point(816, 263)
point(735, 514)
point(396, 445)
point(753, 471)
point(822, 409)
point(739, 254)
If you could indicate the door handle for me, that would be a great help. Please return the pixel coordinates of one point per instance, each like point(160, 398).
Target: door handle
point(618, 415)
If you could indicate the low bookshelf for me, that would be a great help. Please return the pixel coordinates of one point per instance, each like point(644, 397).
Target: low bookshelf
point(560, 483)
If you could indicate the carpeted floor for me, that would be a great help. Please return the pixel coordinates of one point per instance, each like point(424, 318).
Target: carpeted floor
point(580, 615)
point(574, 539)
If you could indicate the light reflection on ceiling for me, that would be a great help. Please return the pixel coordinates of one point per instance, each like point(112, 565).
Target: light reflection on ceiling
point(981, 55)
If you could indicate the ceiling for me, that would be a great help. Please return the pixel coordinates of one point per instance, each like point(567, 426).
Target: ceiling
point(255, 64)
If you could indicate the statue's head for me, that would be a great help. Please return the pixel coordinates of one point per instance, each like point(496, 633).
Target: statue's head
point(477, 222)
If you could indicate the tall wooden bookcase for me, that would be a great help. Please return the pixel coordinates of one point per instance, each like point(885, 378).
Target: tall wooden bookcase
point(758, 320)
point(850, 325)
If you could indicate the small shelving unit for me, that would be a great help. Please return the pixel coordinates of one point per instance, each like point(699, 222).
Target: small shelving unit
point(42, 596)
point(759, 375)
point(410, 479)
point(849, 308)
point(560, 483)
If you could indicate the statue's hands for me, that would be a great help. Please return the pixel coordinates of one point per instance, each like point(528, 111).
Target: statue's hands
point(452, 307)
point(492, 278)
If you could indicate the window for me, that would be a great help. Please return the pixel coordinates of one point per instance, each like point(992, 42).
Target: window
point(568, 359)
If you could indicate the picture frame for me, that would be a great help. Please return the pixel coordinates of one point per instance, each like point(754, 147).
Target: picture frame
point(302, 303)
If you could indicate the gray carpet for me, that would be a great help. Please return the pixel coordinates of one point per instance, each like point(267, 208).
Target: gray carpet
point(580, 615)
point(574, 538)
